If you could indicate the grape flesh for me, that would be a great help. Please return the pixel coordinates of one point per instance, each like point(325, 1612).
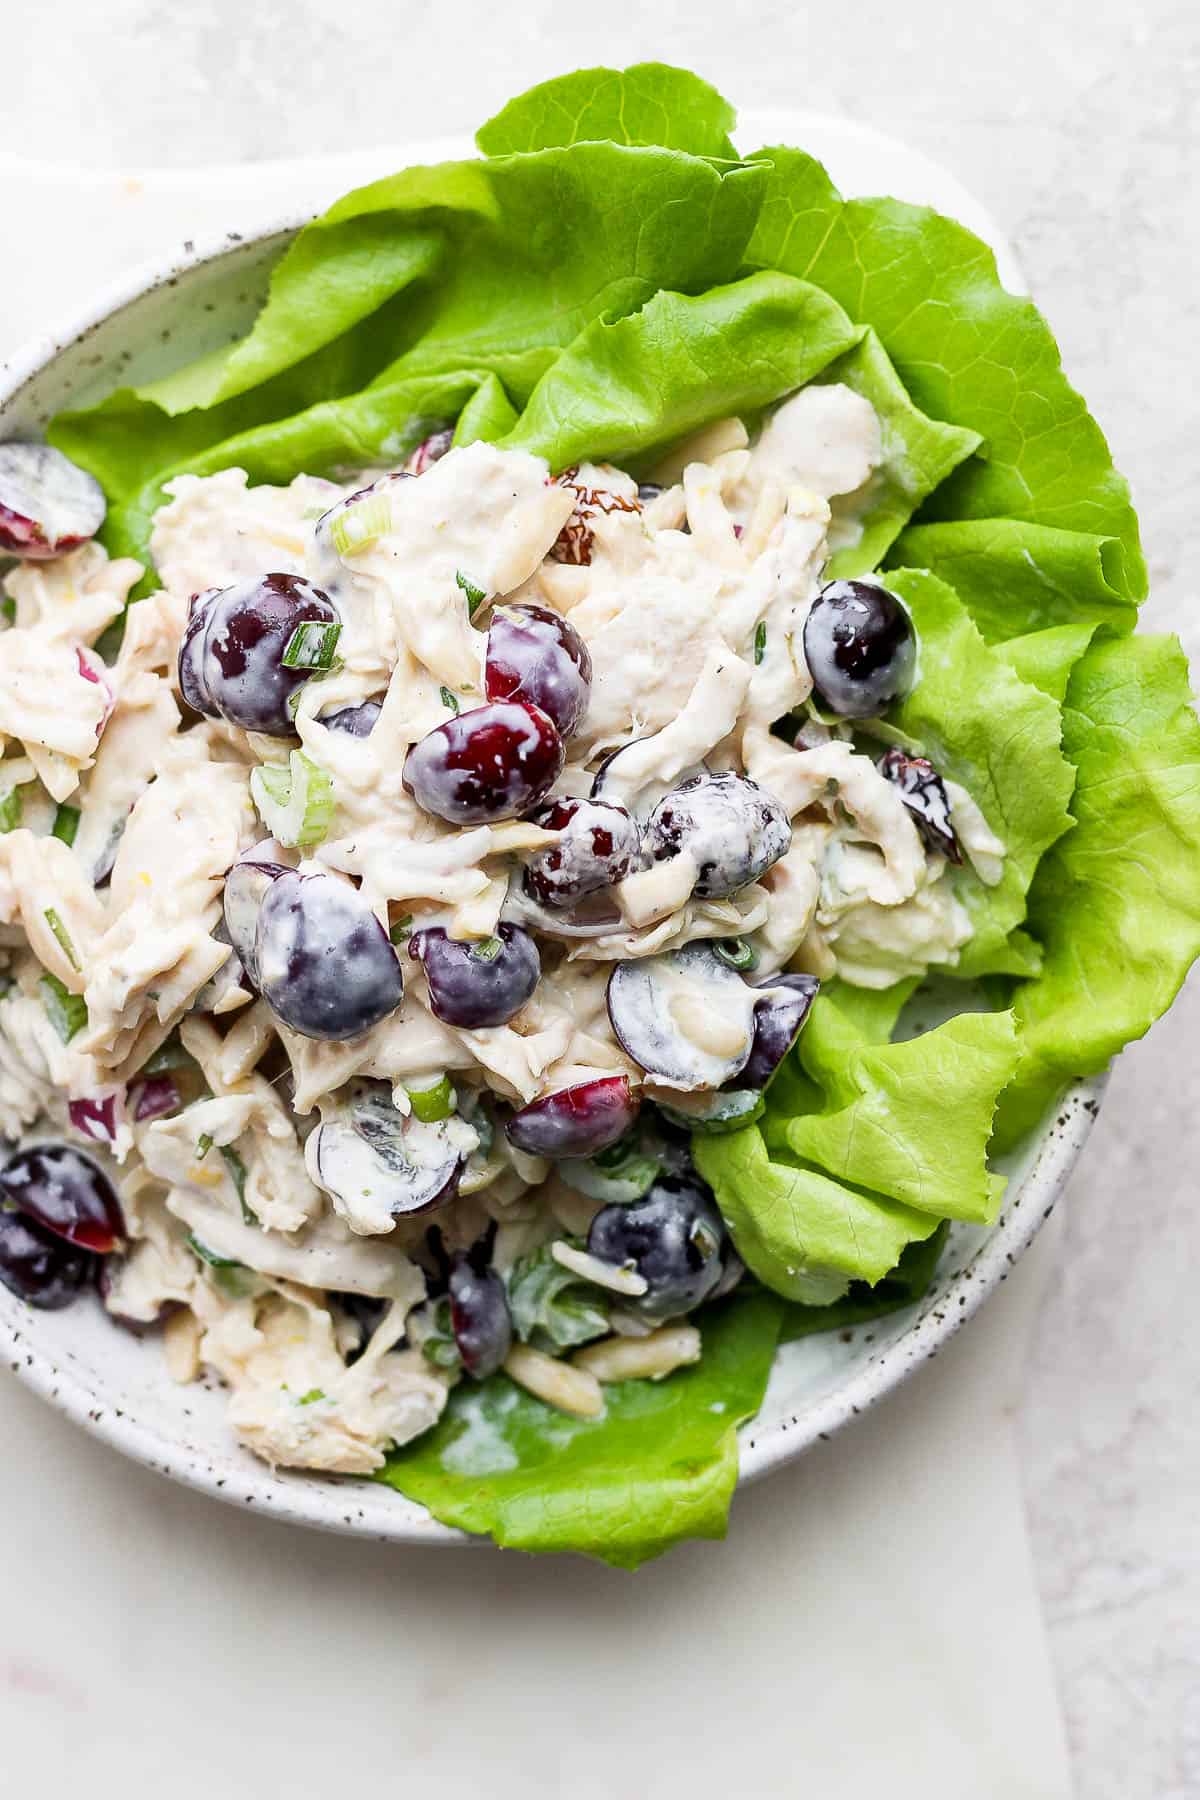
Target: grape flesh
point(860, 648)
point(600, 844)
point(48, 504)
point(536, 656)
point(494, 762)
point(325, 964)
point(356, 721)
point(231, 660)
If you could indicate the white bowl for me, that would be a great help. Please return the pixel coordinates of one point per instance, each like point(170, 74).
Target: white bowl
point(117, 1385)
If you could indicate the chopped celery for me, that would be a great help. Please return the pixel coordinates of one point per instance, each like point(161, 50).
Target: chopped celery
point(312, 644)
point(295, 804)
point(430, 1104)
point(67, 1012)
point(66, 824)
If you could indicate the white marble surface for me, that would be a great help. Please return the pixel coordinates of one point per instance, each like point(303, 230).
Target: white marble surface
point(1076, 124)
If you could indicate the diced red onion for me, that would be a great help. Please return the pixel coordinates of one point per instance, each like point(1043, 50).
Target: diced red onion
point(96, 1118)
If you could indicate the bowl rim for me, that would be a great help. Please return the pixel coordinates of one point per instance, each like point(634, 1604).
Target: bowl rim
point(350, 1505)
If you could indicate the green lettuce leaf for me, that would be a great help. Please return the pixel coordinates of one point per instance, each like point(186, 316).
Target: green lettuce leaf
point(629, 387)
point(1015, 577)
point(998, 737)
point(918, 454)
point(649, 103)
point(659, 1466)
point(967, 352)
point(1116, 904)
point(866, 1145)
point(903, 1286)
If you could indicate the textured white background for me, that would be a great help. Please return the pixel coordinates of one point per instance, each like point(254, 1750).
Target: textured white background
point(1077, 123)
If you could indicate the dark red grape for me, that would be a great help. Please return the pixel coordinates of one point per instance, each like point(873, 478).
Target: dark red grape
point(684, 1016)
point(245, 887)
point(493, 762)
point(576, 1121)
point(48, 504)
point(860, 648)
point(325, 965)
point(536, 656)
point(66, 1193)
point(357, 721)
point(673, 1237)
point(779, 1017)
point(731, 828)
point(924, 793)
point(95, 1119)
point(480, 982)
point(44, 1270)
point(231, 661)
point(479, 1318)
point(599, 845)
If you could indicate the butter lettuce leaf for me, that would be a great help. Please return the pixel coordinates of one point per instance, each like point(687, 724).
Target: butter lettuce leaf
point(1000, 738)
point(918, 454)
point(1116, 904)
point(648, 103)
point(659, 1466)
point(967, 351)
point(629, 387)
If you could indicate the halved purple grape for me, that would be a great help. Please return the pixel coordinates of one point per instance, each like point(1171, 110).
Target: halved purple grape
point(576, 1121)
point(356, 721)
point(66, 1193)
point(39, 1268)
point(924, 793)
point(231, 661)
point(673, 1237)
point(494, 762)
point(325, 965)
point(48, 504)
point(685, 1017)
point(860, 648)
point(430, 450)
point(477, 983)
point(779, 1017)
point(479, 1318)
point(600, 844)
point(378, 1164)
point(246, 886)
point(536, 656)
point(731, 828)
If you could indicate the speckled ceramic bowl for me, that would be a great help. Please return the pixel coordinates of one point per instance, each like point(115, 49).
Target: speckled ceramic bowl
point(116, 1384)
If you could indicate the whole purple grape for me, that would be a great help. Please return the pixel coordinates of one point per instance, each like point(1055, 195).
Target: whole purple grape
point(232, 660)
point(476, 983)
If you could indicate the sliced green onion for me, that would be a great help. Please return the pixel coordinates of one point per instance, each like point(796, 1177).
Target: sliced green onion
point(295, 804)
point(487, 949)
point(67, 1012)
point(311, 1398)
point(475, 595)
point(361, 525)
point(760, 641)
point(312, 644)
point(210, 1256)
point(204, 1144)
point(8, 610)
point(450, 700)
point(11, 808)
point(66, 824)
point(737, 953)
point(169, 1056)
point(237, 1170)
point(63, 935)
point(430, 1104)
point(402, 930)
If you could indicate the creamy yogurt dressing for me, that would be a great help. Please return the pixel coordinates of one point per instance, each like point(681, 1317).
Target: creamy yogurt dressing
point(692, 604)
